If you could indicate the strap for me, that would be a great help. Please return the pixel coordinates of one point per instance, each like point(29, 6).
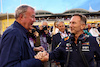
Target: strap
point(82, 55)
point(67, 58)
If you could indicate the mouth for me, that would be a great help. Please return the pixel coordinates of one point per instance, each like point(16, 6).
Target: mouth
point(31, 24)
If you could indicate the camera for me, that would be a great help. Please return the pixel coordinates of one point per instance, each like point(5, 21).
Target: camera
point(33, 30)
point(45, 27)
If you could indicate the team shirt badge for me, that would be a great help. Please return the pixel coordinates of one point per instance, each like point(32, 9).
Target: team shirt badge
point(85, 46)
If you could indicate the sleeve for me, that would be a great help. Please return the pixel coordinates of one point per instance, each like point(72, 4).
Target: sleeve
point(97, 53)
point(53, 43)
point(55, 54)
point(10, 52)
point(58, 52)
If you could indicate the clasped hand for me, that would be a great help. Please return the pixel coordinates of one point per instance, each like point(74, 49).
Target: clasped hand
point(43, 56)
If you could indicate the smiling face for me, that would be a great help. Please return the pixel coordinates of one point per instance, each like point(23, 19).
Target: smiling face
point(28, 18)
point(76, 25)
point(61, 26)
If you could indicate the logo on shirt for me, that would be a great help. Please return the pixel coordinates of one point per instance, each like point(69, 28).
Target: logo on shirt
point(85, 46)
point(66, 38)
point(68, 47)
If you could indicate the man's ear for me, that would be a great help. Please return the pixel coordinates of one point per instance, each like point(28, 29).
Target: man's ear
point(21, 16)
point(83, 26)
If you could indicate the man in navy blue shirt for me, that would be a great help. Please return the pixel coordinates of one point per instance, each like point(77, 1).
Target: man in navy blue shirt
point(77, 50)
point(15, 50)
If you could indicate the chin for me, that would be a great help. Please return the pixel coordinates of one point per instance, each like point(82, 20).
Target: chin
point(72, 32)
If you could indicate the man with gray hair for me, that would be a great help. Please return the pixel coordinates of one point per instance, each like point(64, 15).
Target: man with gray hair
point(60, 35)
point(15, 50)
point(45, 36)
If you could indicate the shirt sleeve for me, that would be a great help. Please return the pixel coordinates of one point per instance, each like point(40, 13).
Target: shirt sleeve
point(58, 52)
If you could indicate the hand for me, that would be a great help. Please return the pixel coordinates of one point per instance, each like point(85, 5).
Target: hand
point(38, 48)
point(43, 56)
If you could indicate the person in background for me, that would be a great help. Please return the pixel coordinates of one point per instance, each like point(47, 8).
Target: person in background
point(89, 27)
point(94, 31)
point(15, 49)
point(34, 40)
point(45, 36)
point(98, 27)
point(56, 39)
point(55, 29)
point(86, 30)
point(60, 35)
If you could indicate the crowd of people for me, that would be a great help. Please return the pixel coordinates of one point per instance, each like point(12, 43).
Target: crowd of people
point(24, 45)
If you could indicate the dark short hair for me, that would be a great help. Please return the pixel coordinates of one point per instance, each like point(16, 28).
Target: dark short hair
point(82, 17)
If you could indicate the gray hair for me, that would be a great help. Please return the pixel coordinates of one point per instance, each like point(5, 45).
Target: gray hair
point(60, 22)
point(44, 21)
point(21, 10)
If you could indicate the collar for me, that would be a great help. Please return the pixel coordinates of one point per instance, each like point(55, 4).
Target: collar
point(81, 35)
point(20, 27)
point(62, 32)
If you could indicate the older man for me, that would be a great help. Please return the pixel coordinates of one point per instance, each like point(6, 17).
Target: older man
point(45, 36)
point(60, 35)
point(15, 50)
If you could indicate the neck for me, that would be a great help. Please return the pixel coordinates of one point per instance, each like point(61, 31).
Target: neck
point(77, 35)
point(62, 31)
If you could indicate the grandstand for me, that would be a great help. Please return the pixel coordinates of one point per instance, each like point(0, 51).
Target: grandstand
point(6, 19)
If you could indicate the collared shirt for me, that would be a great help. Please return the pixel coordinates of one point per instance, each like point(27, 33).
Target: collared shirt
point(31, 42)
point(63, 35)
point(94, 32)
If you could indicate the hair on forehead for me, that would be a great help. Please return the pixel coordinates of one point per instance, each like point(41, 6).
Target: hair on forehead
point(44, 22)
point(82, 17)
point(21, 10)
point(24, 6)
point(60, 22)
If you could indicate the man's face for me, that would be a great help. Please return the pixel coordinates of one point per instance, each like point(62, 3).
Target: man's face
point(45, 24)
point(89, 26)
point(93, 25)
point(28, 18)
point(75, 25)
point(61, 26)
point(99, 25)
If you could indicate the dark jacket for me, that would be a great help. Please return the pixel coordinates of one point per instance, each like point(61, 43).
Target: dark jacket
point(55, 40)
point(90, 48)
point(15, 50)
